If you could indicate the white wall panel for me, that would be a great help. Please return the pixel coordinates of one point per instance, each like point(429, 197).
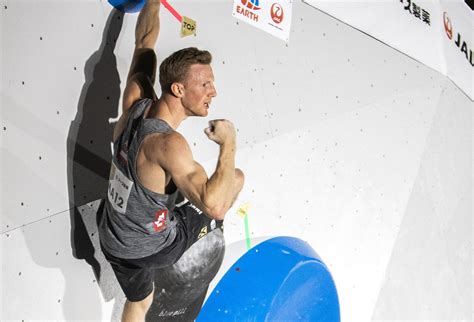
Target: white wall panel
point(342, 185)
point(73, 76)
point(429, 276)
point(45, 64)
point(42, 280)
point(335, 131)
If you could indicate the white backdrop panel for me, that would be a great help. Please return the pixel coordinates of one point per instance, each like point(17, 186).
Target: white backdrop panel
point(431, 260)
point(342, 185)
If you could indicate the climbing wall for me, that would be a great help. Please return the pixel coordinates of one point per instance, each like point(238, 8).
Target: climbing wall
point(346, 143)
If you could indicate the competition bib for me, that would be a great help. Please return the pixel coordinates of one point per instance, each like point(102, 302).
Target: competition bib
point(119, 189)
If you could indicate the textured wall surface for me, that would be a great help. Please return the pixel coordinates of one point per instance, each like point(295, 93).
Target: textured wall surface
point(346, 143)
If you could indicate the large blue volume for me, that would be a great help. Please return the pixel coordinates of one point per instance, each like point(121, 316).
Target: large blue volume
point(129, 6)
point(281, 279)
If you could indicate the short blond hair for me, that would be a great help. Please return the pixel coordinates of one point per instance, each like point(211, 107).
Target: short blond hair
point(175, 67)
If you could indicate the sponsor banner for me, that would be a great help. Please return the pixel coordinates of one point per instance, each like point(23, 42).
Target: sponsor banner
point(272, 16)
point(458, 44)
point(418, 29)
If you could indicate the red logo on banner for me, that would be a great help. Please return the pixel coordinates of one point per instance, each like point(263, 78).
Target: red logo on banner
point(160, 220)
point(277, 13)
point(447, 26)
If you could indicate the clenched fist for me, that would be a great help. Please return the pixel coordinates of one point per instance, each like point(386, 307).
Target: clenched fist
point(221, 131)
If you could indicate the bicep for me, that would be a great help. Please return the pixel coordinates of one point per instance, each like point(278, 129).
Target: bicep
point(131, 94)
point(138, 86)
point(141, 76)
point(188, 175)
point(192, 183)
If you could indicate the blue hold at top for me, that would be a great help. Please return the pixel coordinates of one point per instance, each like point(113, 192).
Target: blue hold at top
point(128, 6)
point(281, 279)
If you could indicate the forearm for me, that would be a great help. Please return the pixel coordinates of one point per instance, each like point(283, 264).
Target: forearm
point(146, 35)
point(148, 25)
point(238, 185)
point(221, 186)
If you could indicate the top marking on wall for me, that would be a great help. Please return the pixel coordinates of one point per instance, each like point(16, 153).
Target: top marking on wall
point(188, 25)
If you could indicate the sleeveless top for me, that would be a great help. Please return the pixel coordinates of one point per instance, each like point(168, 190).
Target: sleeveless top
point(136, 221)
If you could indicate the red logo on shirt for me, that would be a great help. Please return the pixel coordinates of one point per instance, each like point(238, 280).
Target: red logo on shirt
point(160, 220)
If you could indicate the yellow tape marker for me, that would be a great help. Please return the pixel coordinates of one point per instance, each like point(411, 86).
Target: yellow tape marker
point(243, 212)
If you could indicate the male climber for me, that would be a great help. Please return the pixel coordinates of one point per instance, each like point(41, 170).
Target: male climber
point(141, 228)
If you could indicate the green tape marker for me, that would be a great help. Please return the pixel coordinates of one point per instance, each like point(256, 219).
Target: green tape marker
point(247, 232)
point(243, 212)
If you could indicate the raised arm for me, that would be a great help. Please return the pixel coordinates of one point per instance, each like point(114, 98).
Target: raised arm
point(146, 35)
point(141, 77)
point(214, 195)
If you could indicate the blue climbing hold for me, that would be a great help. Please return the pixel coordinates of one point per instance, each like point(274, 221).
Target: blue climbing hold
point(281, 279)
point(129, 6)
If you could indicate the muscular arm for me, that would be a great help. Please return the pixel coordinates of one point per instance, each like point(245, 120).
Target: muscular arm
point(146, 35)
point(141, 76)
point(213, 195)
